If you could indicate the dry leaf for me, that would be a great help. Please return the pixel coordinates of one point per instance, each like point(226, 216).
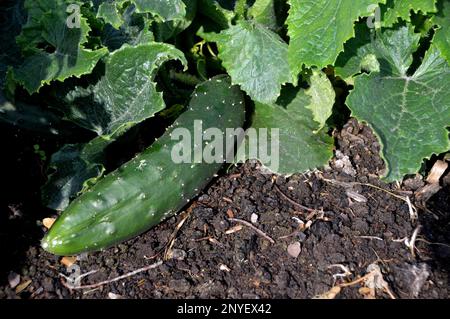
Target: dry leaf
point(233, 229)
point(437, 171)
point(356, 197)
point(367, 293)
point(214, 241)
point(22, 286)
point(330, 294)
point(426, 192)
point(376, 280)
point(224, 267)
point(48, 222)
point(68, 261)
point(177, 254)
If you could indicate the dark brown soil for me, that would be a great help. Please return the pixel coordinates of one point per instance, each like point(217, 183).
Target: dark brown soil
point(350, 230)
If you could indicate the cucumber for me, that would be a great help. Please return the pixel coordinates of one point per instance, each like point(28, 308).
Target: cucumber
point(151, 187)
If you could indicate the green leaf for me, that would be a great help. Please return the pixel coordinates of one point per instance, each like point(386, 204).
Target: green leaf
point(318, 29)
point(135, 30)
point(74, 167)
point(168, 29)
point(358, 54)
point(256, 59)
point(13, 18)
point(402, 9)
point(263, 12)
point(214, 11)
point(48, 24)
point(442, 37)
point(322, 97)
point(409, 113)
point(299, 148)
point(126, 95)
point(110, 14)
point(392, 53)
point(166, 9)
point(240, 8)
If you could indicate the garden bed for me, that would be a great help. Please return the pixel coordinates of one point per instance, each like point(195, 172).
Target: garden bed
point(219, 258)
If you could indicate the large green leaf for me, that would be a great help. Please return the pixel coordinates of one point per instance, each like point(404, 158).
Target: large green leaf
point(292, 144)
point(402, 9)
point(64, 56)
point(442, 37)
point(126, 95)
point(256, 59)
point(408, 112)
point(318, 29)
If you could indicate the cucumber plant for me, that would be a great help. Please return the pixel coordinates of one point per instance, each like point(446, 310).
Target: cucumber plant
point(102, 69)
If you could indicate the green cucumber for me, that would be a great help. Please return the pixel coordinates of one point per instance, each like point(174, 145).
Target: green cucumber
point(151, 187)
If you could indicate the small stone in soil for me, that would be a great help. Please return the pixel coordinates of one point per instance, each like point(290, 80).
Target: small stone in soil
point(177, 254)
point(13, 279)
point(114, 296)
point(294, 249)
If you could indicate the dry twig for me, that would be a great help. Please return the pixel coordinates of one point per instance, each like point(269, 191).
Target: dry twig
point(173, 236)
point(370, 237)
point(69, 282)
point(410, 243)
point(257, 230)
point(293, 202)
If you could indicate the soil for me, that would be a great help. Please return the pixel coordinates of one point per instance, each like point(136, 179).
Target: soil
point(331, 220)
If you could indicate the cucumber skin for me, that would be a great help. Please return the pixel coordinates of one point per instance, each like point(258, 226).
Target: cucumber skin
point(149, 188)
